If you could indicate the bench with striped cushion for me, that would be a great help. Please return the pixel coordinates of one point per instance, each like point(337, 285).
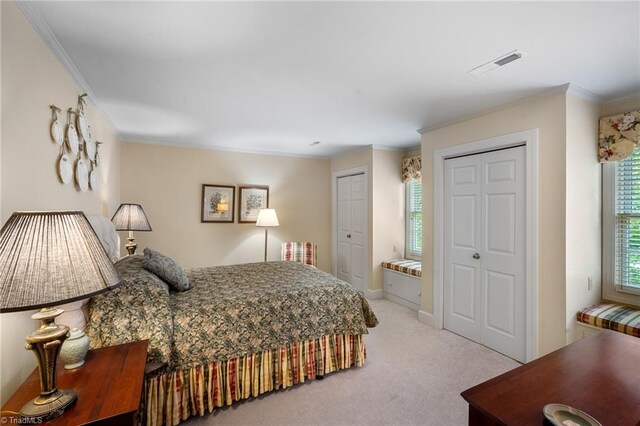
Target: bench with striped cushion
point(406, 266)
point(624, 319)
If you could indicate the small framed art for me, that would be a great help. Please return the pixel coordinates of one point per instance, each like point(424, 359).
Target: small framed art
point(218, 203)
point(252, 199)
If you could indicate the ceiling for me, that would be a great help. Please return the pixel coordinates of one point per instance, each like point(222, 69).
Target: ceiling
point(277, 76)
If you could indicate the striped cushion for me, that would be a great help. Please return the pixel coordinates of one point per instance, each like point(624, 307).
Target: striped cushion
point(613, 317)
point(406, 266)
point(300, 252)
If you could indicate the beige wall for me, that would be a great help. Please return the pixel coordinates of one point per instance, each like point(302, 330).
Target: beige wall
point(387, 211)
point(583, 209)
point(547, 114)
point(167, 181)
point(32, 79)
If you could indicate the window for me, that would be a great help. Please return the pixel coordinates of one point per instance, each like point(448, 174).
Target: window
point(621, 233)
point(413, 214)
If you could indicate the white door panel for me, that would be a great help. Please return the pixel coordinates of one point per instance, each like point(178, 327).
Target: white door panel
point(464, 212)
point(463, 287)
point(357, 270)
point(484, 251)
point(351, 204)
point(500, 232)
point(499, 299)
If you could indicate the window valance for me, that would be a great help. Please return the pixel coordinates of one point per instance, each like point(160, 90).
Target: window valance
point(619, 135)
point(412, 169)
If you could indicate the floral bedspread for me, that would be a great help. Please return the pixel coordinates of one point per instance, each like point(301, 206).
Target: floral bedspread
point(136, 310)
point(241, 309)
point(231, 311)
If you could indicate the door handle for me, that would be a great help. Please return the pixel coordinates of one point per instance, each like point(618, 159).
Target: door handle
point(476, 255)
point(348, 235)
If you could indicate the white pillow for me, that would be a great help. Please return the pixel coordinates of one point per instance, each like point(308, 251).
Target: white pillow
point(75, 315)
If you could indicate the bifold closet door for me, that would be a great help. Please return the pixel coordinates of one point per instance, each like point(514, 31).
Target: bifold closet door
point(484, 253)
point(351, 228)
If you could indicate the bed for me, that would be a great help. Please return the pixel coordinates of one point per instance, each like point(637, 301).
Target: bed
point(240, 331)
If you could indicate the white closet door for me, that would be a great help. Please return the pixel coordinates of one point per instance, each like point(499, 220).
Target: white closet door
point(358, 221)
point(485, 249)
point(462, 272)
point(351, 212)
point(344, 228)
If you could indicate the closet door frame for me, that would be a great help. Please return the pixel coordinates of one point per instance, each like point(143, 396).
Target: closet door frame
point(364, 170)
point(530, 139)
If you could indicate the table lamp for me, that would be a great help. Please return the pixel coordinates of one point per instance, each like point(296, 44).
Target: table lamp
point(267, 218)
point(130, 217)
point(47, 259)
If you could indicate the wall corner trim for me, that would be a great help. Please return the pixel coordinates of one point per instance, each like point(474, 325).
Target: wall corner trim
point(427, 318)
point(373, 294)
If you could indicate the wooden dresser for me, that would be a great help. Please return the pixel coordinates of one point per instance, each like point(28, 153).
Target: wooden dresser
point(599, 375)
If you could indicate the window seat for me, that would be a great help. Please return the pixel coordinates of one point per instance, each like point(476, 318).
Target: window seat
point(611, 316)
point(402, 282)
point(405, 266)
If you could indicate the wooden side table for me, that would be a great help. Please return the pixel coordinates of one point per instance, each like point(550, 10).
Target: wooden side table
point(109, 387)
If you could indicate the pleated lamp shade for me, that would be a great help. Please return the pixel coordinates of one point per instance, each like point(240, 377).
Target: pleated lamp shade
point(51, 258)
point(130, 217)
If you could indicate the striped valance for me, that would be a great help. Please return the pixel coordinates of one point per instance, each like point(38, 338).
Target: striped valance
point(412, 169)
point(619, 135)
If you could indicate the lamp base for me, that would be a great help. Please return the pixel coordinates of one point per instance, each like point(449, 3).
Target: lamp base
point(131, 246)
point(45, 342)
point(42, 409)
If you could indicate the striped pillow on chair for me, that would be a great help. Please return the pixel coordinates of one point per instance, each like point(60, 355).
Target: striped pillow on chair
point(300, 252)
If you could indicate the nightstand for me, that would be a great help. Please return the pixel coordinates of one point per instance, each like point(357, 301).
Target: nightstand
point(109, 387)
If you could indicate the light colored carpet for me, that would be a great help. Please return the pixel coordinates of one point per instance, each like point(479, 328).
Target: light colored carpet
point(413, 376)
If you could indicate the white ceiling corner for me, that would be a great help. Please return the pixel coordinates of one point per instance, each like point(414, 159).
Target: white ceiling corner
point(35, 18)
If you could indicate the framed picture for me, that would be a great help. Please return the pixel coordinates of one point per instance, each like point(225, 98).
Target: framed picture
point(218, 203)
point(252, 199)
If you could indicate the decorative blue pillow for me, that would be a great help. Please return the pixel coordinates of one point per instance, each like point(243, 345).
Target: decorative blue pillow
point(167, 269)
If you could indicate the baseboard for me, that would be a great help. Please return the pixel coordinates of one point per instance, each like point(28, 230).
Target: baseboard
point(373, 294)
point(426, 318)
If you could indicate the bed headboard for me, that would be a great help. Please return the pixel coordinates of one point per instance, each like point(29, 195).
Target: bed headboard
point(106, 231)
point(76, 314)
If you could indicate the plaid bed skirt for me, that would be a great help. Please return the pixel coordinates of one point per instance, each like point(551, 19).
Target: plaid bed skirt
point(614, 317)
point(177, 395)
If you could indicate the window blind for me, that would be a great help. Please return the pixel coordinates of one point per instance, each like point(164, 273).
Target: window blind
point(413, 249)
point(627, 206)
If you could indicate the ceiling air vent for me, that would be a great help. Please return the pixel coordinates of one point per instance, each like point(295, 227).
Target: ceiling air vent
point(498, 62)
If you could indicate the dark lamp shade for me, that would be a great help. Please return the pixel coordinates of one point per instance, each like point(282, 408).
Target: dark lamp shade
point(51, 258)
point(130, 217)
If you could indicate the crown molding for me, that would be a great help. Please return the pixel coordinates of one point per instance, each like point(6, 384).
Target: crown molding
point(576, 90)
point(417, 147)
point(393, 148)
point(35, 18)
point(567, 88)
point(132, 140)
point(625, 98)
